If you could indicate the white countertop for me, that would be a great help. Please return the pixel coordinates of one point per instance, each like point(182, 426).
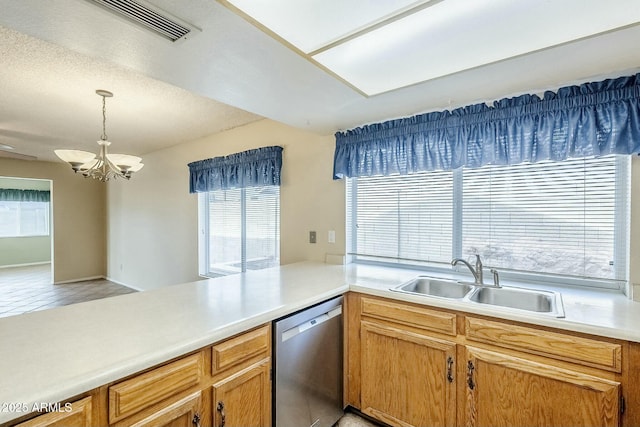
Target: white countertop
point(52, 355)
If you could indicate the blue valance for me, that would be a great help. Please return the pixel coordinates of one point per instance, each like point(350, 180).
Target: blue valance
point(252, 168)
point(15, 195)
point(593, 119)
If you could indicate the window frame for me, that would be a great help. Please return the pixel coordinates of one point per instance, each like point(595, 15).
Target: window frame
point(621, 241)
point(46, 217)
point(204, 247)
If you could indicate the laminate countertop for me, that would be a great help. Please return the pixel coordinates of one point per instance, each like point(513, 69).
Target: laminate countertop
point(52, 355)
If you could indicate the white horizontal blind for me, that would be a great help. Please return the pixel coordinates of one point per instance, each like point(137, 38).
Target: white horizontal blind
point(20, 219)
point(262, 227)
point(403, 217)
point(243, 229)
point(552, 217)
point(562, 218)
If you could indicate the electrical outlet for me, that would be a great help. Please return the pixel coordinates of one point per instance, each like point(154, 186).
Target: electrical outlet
point(312, 237)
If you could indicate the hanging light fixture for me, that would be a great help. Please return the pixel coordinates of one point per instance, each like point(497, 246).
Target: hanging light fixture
point(103, 166)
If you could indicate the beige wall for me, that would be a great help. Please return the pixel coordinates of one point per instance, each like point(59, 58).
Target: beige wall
point(79, 221)
point(153, 220)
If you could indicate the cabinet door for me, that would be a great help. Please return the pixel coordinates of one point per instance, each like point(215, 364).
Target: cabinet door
point(186, 412)
point(76, 414)
point(407, 378)
point(244, 398)
point(508, 391)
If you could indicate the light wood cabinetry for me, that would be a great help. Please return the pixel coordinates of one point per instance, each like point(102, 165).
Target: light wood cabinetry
point(227, 383)
point(75, 414)
point(244, 398)
point(407, 373)
point(143, 391)
point(508, 391)
point(242, 389)
point(407, 377)
point(186, 412)
point(504, 373)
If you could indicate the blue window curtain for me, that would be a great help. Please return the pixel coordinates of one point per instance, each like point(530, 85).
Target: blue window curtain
point(593, 119)
point(252, 168)
point(14, 195)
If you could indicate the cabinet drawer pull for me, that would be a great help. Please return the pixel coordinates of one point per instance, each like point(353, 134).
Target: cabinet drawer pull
point(470, 369)
point(450, 369)
point(196, 420)
point(223, 417)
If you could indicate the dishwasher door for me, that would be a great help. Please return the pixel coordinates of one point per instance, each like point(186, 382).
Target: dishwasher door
point(308, 367)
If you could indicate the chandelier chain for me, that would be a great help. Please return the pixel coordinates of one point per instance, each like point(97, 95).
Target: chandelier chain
point(104, 118)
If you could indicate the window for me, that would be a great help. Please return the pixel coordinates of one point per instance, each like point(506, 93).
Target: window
point(242, 226)
point(567, 219)
point(20, 219)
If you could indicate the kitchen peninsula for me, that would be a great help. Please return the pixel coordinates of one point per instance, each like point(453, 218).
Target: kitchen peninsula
point(55, 355)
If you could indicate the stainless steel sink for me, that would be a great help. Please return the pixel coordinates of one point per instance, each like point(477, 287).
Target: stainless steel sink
point(432, 286)
point(531, 300)
point(520, 298)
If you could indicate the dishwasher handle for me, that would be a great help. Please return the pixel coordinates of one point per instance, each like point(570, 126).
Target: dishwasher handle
point(309, 324)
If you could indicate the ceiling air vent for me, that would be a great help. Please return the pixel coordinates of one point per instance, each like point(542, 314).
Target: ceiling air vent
point(150, 17)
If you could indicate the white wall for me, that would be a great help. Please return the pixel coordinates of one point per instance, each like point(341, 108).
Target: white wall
point(153, 220)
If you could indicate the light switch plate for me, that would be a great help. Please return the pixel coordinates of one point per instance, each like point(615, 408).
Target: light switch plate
point(332, 236)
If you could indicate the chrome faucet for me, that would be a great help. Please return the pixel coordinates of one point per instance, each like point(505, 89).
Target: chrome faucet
point(477, 272)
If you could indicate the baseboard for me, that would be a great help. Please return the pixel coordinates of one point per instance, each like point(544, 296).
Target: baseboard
point(123, 284)
point(81, 279)
point(29, 264)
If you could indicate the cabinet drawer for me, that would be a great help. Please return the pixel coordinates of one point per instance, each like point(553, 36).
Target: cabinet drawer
point(599, 354)
point(133, 395)
point(74, 414)
point(250, 345)
point(424, 318)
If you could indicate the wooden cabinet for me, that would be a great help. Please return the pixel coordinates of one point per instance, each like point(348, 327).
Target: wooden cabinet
point(411, 365)
point(407, 378)
point(406, 371)
point(244, 398)
point(159, 386)
point(225, 384)
point(241, 393)
point(73, 414)
point(502, 390)
point(186, 412)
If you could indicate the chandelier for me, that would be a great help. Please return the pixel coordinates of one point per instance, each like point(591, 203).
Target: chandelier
point(102, 166)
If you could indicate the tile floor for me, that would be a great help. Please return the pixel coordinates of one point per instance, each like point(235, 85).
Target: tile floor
point(25, 289)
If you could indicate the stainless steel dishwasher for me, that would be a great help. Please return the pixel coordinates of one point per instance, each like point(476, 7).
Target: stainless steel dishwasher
point(308, 367)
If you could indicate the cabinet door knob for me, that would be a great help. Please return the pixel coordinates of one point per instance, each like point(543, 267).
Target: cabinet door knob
point(450, 369)
point(196, 420)
point(223, 417)
point(470, 369)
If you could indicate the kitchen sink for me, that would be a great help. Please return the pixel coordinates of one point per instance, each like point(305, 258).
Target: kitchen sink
point(435, 287)
point(520, 299)
point(532, 300)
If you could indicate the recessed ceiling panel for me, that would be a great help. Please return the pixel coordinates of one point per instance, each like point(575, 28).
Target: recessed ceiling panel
point(312, 24)
point(456, 35)
point(379, 46)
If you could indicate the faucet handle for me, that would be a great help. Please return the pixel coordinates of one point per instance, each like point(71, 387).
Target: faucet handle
point(496, 278)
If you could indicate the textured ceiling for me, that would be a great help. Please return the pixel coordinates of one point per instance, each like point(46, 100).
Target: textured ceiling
point(48, 101)
point(56, 53)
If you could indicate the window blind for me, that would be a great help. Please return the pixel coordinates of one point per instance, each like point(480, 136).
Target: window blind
point(564, 218)
point(243, 229)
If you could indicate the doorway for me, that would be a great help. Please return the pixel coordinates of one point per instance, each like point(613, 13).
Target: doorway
point(26, 232)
